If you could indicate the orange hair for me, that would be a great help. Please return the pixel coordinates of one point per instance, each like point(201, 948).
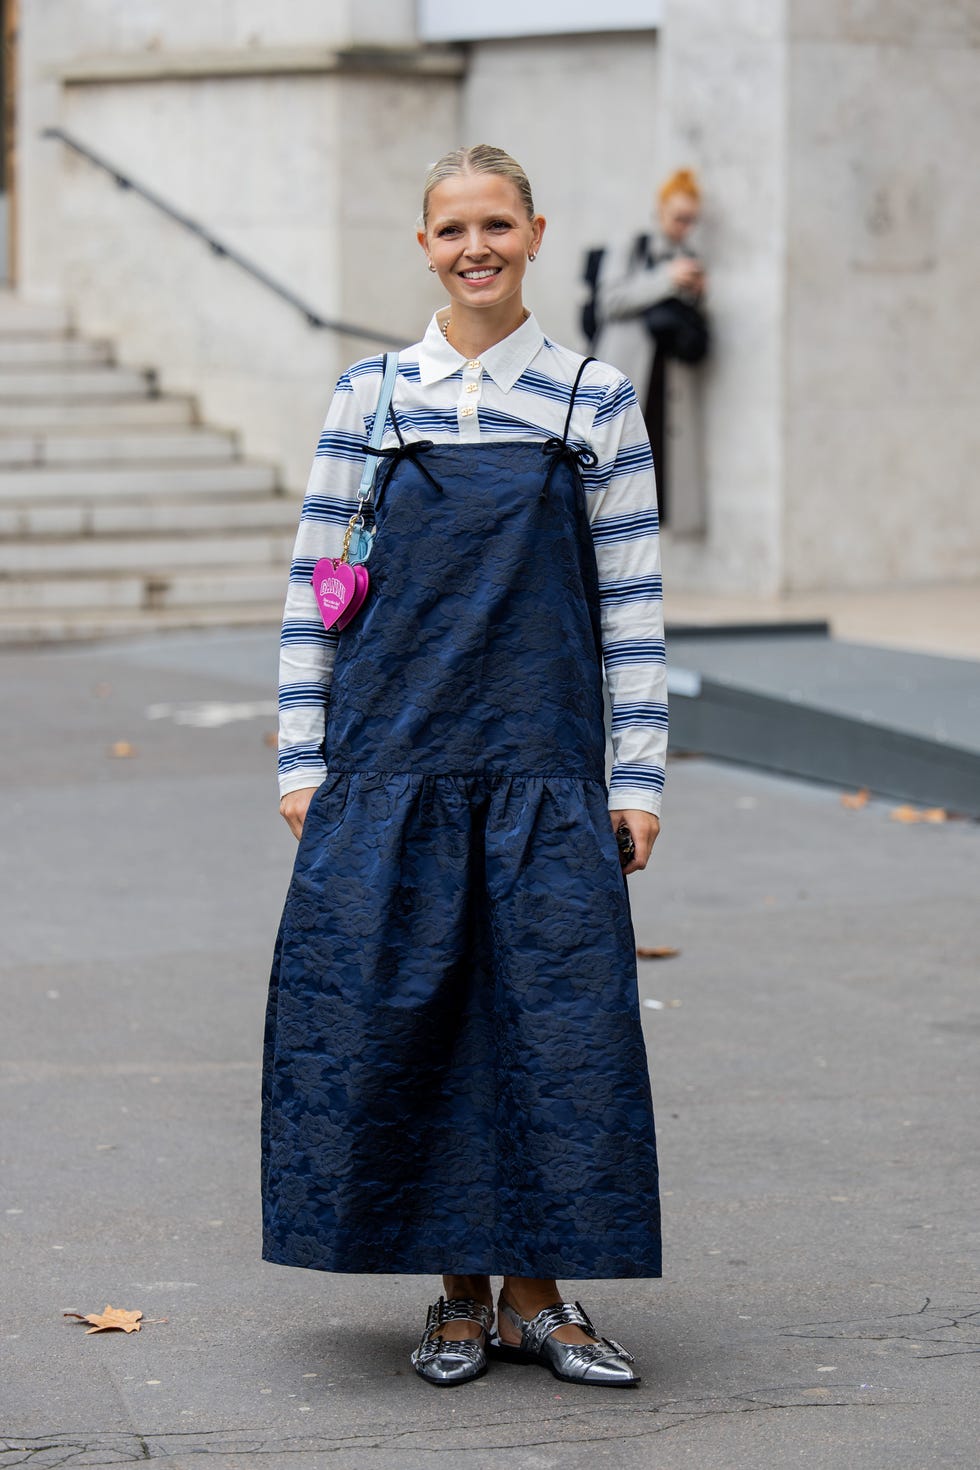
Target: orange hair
point(681, 181)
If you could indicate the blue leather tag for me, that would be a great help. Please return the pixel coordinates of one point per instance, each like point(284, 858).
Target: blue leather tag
point(361, 545)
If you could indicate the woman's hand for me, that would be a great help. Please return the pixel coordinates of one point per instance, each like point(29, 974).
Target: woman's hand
point(294, 807)
point(688, 274)
point(644, 828)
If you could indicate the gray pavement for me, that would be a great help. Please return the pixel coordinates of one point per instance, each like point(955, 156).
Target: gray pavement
point(815, 1074)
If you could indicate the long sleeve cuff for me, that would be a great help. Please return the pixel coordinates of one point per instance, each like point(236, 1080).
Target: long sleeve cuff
point(301, 773)
point(631, 799)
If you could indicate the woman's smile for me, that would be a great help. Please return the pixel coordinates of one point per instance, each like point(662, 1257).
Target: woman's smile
point(478, 237)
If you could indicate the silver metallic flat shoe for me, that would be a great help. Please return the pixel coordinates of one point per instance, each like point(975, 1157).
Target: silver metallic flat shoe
point(604, 1362)
point(447, 1361)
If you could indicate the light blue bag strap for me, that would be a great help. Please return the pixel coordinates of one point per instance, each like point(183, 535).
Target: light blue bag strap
point(389, 374)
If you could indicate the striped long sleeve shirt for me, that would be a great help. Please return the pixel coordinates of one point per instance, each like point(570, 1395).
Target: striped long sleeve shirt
point(519, 389)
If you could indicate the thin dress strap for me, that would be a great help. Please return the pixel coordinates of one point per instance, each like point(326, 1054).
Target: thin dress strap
point(571, 402)
point(392, 457)
point(559, 449)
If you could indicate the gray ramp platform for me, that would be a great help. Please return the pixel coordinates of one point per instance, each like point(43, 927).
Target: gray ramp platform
point(902, 724)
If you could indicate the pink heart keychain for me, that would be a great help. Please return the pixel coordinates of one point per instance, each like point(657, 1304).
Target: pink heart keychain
point(340, 590)
point(361, 584)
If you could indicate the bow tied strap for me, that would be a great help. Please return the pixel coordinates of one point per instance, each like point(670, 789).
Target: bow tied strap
point(391, 457)
point(559, 451)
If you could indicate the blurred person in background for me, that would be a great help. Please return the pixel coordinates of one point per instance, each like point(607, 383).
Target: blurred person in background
point(646, 314)
point(455, 1077)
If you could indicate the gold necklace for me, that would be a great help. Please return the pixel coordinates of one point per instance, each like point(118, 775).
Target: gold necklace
point(445, 325)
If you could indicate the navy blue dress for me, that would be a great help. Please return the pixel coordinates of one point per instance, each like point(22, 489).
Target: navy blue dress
point(454, 1076)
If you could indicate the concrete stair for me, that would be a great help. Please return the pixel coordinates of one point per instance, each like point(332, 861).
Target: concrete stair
point(119, 512)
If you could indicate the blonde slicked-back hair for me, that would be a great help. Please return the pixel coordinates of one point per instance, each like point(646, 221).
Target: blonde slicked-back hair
point(482, 158)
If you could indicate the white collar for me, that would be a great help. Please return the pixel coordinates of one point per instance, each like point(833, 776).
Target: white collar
point(504, 361)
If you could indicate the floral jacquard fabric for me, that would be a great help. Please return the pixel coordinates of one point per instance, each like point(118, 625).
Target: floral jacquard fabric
point(455, 1078)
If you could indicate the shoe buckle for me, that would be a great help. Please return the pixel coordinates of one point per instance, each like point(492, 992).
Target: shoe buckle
point(586, 1321)
point(618, 1348)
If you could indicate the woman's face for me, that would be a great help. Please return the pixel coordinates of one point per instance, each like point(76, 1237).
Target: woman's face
point(678, 216)
point(478, 237)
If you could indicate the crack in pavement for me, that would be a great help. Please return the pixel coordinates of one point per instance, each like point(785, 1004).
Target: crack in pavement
point(51, 1451)
point(926, 1325)
point(950, 1331)
point(71, 1444)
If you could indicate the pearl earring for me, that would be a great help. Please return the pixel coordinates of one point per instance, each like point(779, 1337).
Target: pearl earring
point(532, 254)
point(431, 266)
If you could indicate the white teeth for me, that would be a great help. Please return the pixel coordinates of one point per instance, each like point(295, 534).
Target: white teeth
point(477, 275)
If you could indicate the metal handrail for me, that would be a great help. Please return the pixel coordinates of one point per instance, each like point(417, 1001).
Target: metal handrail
point(219, 247)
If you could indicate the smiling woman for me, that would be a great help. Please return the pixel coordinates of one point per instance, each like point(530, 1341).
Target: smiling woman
point(455, 1078)
point(479, 241)
point(479, 231)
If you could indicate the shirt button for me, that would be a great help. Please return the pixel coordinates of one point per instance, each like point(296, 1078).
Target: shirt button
point(467, 412)
point(472, 387)
point(474, 362)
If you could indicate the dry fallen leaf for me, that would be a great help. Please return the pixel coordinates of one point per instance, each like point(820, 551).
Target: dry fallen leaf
point(112, 1319)
point(918, 814)
point(656, 952)
point(121, 749)
point(855, 800)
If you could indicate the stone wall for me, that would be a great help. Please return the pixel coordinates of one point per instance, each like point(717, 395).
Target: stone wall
point(882, 437)
point(724, 100)
point(293, 143)
point(581, 114)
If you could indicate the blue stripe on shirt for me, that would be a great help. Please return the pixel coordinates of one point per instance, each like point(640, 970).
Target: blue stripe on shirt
point(307, 630)
point(606, 529)
point(641, 712)
point(326, 508)
point(630, 589)
point(294, 757)
point(543, 386)
point(293, 695)
point(302, 570)
point(634, 651)
point(643, 778)
point(333, 444)
point(615, 402)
